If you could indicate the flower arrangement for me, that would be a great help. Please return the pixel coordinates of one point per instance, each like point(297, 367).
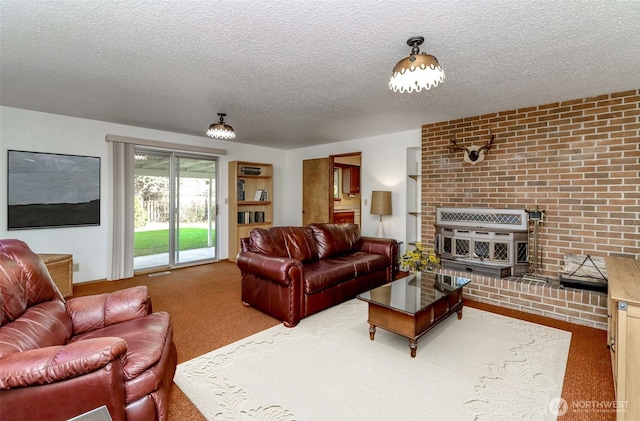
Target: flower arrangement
point(420, 259)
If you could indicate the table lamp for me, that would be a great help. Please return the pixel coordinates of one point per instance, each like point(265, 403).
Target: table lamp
point(380, 205)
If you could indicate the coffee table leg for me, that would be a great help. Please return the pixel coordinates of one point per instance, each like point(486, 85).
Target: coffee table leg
point(413, 344)
point(460, 313)
point(372, 331)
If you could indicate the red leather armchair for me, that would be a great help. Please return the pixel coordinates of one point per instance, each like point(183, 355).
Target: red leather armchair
point(61, 359)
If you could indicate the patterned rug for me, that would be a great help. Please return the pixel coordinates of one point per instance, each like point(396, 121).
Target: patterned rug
point(482, 367)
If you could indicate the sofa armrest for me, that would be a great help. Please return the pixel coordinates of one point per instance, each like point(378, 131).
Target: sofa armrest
point(98, 311)
point(375, 245)
point(57, 363)
point(276, 269)
point(384, 246)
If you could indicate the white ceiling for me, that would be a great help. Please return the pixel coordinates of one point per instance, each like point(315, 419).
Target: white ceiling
point(291, 74)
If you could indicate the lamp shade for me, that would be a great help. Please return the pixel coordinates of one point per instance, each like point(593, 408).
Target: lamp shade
point(381, 202)
point(422, 73)
point(220, 130)
point(417, 72)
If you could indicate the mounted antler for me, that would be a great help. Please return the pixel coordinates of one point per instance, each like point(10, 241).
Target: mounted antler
point(472, 154)
point(489, 144)
point(455, 146)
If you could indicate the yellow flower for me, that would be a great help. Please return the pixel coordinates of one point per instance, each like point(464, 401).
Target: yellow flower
point(419, 258)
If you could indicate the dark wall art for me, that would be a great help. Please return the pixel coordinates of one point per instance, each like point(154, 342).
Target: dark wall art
point(49, 190)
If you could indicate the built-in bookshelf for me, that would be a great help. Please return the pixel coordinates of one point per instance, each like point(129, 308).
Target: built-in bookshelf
point(250, 200)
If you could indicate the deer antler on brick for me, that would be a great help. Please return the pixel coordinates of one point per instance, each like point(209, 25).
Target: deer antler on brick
point(472, 154)
point(490, 143)
point(455, 146)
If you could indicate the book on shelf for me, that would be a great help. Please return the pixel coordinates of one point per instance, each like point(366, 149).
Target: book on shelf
point(246, 170)
point(261, 195)
point(241, 190)
point(250, 217)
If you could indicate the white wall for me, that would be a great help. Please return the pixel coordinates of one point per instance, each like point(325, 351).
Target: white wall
point(90, 246)
point(383, 168)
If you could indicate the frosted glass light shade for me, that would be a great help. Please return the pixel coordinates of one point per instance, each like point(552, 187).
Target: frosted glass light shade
point(221, 131)
point(422, 73)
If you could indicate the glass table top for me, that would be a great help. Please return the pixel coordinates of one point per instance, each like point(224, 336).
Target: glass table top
point(414, 292)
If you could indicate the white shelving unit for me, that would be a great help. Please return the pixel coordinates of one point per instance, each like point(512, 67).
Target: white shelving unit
point(414, 199)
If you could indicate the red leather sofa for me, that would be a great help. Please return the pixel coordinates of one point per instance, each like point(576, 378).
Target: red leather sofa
point(60, 359)
point(293, 272)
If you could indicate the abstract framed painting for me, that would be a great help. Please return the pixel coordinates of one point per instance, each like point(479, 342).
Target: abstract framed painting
point(49, 190)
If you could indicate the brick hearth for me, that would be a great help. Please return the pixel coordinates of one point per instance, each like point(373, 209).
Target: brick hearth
point(583, 307)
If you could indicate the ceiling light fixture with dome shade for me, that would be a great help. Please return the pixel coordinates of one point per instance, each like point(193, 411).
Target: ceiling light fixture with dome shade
point(220, 130)
point(417, 72)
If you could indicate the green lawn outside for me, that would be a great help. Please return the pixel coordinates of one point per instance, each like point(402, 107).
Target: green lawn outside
point(156, 242)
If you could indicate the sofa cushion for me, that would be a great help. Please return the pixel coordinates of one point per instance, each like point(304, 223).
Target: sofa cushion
point(267, 241)
point(293, 242)
point(325, 273)
point(300, 243)
point(336, 239)
point(365, 263)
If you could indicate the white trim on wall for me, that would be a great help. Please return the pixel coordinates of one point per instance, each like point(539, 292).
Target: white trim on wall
point(164, 145)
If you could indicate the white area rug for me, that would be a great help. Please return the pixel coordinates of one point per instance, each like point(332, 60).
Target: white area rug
point(483, 367)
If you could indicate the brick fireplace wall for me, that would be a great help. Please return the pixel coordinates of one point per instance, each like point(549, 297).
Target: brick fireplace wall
point(578, 160)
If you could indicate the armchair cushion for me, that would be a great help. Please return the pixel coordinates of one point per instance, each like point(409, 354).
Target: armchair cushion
point(144, 337)
point(42, 325)
point(56, 363)
point(98, 311)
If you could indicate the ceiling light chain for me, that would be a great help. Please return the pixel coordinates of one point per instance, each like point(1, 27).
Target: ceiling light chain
point(220, 130)
point(416, 72)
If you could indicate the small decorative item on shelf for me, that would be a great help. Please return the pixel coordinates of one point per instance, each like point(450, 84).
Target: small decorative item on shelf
point(420, 259)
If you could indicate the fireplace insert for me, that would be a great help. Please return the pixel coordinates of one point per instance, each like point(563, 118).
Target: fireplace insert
point(491, 242)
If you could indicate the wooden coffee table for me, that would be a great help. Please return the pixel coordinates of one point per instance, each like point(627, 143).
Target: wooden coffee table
point(413, 305)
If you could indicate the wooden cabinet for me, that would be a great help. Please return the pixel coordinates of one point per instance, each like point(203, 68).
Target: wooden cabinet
point(347, 217)
point(350, 179)
point(250, 200)
point(624, 333)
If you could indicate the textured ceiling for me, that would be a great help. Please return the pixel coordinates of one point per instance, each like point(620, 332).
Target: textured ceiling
point(291, 74)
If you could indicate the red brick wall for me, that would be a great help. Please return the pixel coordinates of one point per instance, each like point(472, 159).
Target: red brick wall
point(578, 160)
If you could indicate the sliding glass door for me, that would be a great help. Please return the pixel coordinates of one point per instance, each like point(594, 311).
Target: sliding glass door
point(174, 209)
point(195, 218)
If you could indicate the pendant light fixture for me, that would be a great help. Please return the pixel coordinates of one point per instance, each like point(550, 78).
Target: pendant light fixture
point(220, 130)
point(416, 72)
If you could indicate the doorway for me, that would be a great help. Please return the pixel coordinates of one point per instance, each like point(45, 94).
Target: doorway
point(331, 189)
point(175, 208)
point(347, 200)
